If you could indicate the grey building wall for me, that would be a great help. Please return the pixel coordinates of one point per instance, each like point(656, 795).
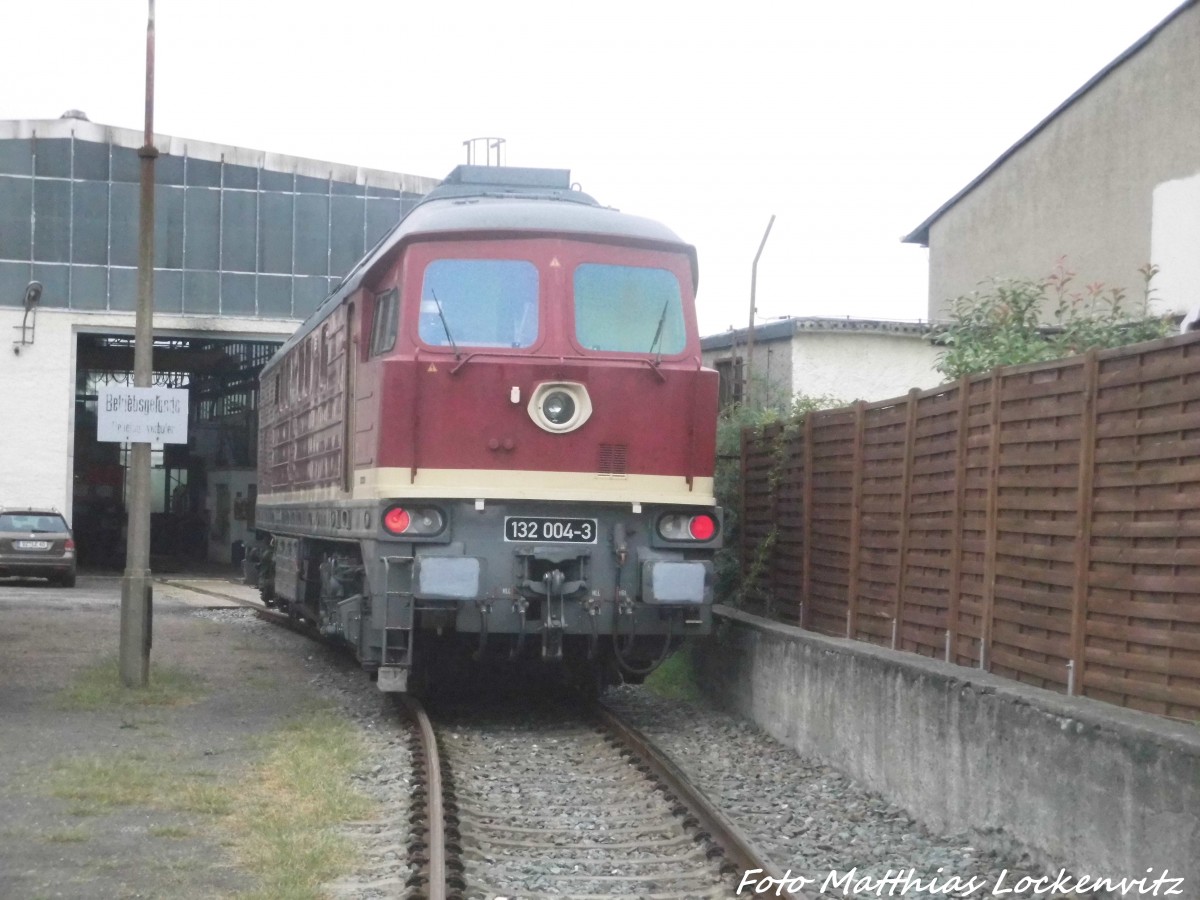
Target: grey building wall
point(1082, 183)
point(237, 232)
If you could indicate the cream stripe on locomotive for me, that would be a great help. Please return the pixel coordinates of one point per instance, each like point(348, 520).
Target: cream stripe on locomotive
point(502, 484)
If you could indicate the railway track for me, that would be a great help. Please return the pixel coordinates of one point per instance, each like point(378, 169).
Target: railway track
point(556, 802)
point(521, 798)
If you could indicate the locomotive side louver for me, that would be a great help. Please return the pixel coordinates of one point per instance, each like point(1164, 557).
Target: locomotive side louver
point(612, 459)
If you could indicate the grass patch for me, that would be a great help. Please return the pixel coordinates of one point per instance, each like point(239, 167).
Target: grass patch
point(99, 687)
point(69, 836)
point(170, 831)
point(675, 679)
point(289, 806)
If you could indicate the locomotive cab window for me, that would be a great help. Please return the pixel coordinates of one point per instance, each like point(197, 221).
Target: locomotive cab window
point(479, 303)
point(628, 309)
point(383, 325)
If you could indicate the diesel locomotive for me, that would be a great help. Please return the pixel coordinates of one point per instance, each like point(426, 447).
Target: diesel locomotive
point(495, 439)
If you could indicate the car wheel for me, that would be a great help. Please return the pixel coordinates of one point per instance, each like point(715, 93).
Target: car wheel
point(67, 580)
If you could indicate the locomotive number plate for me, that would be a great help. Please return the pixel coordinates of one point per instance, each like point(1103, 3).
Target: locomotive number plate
point(556, 530)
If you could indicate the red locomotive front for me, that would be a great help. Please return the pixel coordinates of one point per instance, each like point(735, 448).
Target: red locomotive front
point(499, 425)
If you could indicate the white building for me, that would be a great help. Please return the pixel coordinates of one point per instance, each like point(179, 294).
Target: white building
point(247, 243)
point(846, 359)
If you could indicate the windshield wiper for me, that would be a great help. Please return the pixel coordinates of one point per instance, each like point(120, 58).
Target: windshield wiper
point(658, 332)
point(442, 316)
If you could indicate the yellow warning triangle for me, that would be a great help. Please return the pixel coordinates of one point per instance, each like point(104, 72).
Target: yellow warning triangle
point(432, 368)
point(554, 263)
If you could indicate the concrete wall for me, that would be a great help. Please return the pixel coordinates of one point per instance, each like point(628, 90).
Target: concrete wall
point(37, 399)
point(1103, 790)
point(844, 363)
point(1084, 185)
point(862, 366)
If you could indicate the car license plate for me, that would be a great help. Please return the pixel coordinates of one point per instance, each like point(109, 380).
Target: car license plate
point(32, 545)
point(548, 528)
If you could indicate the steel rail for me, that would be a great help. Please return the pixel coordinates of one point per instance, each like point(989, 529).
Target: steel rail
point(435, 816)
point(731, 839)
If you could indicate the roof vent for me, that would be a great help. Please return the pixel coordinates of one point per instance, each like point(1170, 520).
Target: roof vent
point(75, 114)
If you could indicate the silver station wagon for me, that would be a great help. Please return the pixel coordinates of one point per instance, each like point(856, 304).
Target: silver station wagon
point(37, 543)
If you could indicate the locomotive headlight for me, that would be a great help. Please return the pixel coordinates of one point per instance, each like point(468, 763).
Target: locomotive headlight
point(559, 406)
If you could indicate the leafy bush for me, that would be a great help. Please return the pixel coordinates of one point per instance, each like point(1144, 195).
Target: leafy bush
point(728, 477)
point(1004, 325)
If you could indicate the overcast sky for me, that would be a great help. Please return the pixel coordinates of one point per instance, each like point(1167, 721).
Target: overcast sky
point(850, 121)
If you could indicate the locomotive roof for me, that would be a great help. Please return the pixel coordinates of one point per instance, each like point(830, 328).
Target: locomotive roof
point(483, 199)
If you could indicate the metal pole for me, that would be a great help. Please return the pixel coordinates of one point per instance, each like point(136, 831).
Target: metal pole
point(753, 309)
point(136, 586)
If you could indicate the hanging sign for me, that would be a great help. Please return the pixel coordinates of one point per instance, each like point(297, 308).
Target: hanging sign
point(153, 415)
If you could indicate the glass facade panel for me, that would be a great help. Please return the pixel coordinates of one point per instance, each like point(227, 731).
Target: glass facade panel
point(275, 233)
point(126, 166)
point(122, 289)
point(237, 292)
point(202, 225)
point(16, 217)
point(382, 216)
point(55, 285)
point(346, 238)
point(240, 301)
point(52, 220)
point(168, 227)
point(123, 223)
point(312, 240)
point(238, 231)
point(89, 287)
point(203, 173)
point(168, 291)
point(274, 296)
point(307, 185)
point(167, 169)
point(13, 279)
point(240, 177)
point(309, 292)
point(91, 161)
point(236, 241)
point(201, 292)
point(16, 157)
point(89, 243)
point(275, 181)
point(52, 157)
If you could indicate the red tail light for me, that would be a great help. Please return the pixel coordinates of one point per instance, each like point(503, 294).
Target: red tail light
point(702, 528)
point(396, 520)
point(69, 545)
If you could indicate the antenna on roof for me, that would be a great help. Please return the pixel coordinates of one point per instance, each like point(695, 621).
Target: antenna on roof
point(491, 148)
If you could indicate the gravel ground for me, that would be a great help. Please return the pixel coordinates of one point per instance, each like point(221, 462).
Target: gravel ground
point(254, 677)
point(809, 818)
point(814, 821)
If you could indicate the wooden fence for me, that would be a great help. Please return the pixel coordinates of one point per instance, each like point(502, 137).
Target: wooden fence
point(1041, 522)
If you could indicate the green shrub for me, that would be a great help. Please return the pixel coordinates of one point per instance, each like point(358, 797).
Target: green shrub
point(1006, 323)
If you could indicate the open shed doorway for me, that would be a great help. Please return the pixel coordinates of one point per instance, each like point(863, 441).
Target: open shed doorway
point(203, 492)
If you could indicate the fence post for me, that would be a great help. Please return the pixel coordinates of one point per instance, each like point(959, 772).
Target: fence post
point(991, 529)
point(910, 440)
point(743, 559)
point(856, 486)
point(1083, 524)
point(960, 491)
point(806, 561)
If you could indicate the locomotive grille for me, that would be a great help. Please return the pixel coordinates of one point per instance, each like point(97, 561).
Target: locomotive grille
point(612, 459)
